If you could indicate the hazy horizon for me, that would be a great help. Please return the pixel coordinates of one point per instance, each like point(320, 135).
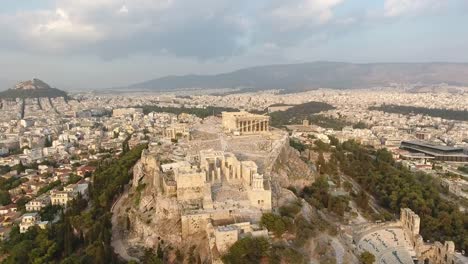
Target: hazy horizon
point(95, 44)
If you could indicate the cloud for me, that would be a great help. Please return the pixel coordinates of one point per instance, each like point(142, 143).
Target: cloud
point(393, 8)
point(203, 29)
point(299, 12)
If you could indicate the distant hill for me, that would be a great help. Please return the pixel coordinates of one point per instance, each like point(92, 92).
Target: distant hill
point(305, 76)
point(34, 88)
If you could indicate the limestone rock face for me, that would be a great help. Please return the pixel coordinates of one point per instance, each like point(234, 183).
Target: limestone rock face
point(138, 173)
point(156, 214)
point(290, 170)
point(155, 219)
point(151, 217)
point(32, 85)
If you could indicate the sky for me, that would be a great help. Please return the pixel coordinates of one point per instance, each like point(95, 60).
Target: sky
point(93, 44)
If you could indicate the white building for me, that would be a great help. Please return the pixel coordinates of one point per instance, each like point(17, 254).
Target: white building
point(29, 220)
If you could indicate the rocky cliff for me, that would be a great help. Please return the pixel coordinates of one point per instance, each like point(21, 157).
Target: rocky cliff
point(150, 219)
point(290, 170)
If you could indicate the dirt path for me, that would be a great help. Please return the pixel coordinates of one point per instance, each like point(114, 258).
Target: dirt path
point(117, 243)
point(372, 201)
point(339, 249)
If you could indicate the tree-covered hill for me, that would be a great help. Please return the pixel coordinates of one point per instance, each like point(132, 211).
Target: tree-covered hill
point(396, 187)
point(296, 114)
point(49, 92)
point(34, 88)
point(83, 233)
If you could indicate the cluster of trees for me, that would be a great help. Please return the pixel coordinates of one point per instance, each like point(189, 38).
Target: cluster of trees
point(50, 245)
point(200, 112)
point(5, 186)
point(83, 234)
point(297, 145)
point(461, 115)
point(4, 169)
point(251, 250)
point(273, 223)
point(367, 258)
point(318, 195)
point(49, 187)
point(150, 257)
point(329, 122)
point(291, 221)
point(360, 125)
point(463, 169)
point(248, 250)
point(296, 114)
point(396, 187)
point(12, 94)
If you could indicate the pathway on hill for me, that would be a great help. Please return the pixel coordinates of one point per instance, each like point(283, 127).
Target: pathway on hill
point(117, 243)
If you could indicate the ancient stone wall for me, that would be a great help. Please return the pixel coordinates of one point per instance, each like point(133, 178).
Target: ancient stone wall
point(194, 223)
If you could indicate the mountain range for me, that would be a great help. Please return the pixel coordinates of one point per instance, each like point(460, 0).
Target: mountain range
point(34, 88)
point(305, 76)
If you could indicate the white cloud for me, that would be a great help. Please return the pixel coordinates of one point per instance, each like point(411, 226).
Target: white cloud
point(59, 25)
point(299, 12)
point(201, 29)
point(394, 8)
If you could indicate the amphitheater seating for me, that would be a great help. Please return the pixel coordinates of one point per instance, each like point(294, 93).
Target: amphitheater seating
point(388, 245)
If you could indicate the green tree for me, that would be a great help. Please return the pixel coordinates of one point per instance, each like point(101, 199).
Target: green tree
point(366, 258)
point(20, 252)
point(362, 200)
point(273, 223)
point(19, 167)
point(317, 193)
point(5, 198)
point(248, 250)
point(321, 164)
point(151, 258)
point(48, 141)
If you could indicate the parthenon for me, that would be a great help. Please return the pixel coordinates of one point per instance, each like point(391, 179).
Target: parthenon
point(245, 123)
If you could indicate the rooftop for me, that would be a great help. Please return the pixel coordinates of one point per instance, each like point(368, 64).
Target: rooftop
point(432, 145)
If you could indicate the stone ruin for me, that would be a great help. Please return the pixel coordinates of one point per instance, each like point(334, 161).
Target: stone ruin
point(400, 242)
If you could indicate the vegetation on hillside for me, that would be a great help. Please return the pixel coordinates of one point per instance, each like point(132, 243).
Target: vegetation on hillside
point(200, 112)
point(367, 258)
point(329, 122)
point(463, 169)
point(318, 195)
point(434, 112)
point(296, 114)
point(33, 93)
point(396, 187)
point(83, 234)
point(248, 250)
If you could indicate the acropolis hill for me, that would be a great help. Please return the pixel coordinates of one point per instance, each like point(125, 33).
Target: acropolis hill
point(209, 188)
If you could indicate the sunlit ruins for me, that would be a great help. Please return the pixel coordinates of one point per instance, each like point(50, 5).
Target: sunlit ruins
point(214, 182)
point(400, 242)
